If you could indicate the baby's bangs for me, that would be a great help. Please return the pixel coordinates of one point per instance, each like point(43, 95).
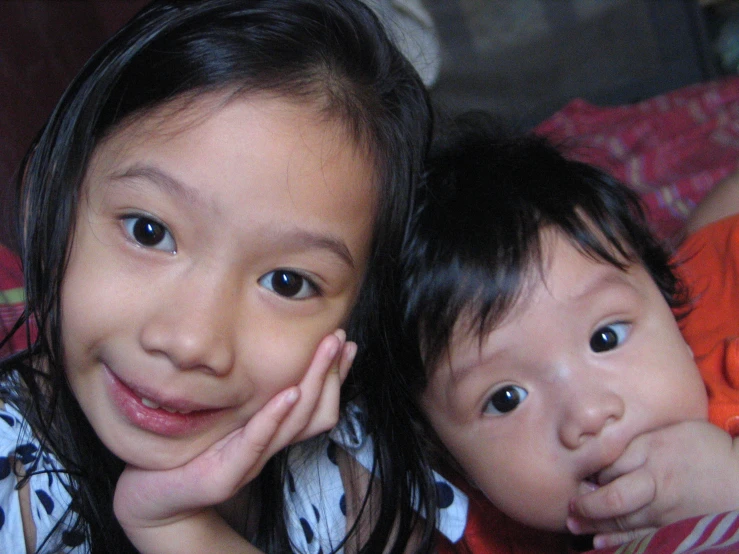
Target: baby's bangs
point(473, 299)
point(599, 236)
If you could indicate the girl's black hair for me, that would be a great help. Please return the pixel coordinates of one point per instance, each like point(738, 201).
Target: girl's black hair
point(475, 241)
point(332, 53)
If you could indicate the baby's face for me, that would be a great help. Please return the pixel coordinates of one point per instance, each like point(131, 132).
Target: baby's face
point(587, 360)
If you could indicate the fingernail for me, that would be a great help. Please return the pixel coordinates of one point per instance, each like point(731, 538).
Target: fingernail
point(291, 396)
point(573, 526)
point(586, 487)
point(351, 350)
point(333, 348)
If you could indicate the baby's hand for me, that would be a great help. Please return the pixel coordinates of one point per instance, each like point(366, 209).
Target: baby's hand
point(679, 471)
point(157, 507)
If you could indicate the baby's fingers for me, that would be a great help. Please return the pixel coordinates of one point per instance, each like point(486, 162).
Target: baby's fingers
point(608, 540)
point(615, 507)
point(634, 457)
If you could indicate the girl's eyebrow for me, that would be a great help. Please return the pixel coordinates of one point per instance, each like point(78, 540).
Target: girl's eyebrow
point(171, 185)
point(307, 239)
point(164, 181)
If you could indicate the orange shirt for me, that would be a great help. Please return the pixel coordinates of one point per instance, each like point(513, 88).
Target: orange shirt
point(709, 265)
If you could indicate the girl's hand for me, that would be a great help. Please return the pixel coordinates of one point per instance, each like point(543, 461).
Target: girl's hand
point(170, 510)
point(679, 471)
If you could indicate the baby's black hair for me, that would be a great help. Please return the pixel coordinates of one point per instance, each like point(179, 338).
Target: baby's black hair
point(475, 241)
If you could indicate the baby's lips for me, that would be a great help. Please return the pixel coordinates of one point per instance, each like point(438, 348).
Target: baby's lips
point(588, 485)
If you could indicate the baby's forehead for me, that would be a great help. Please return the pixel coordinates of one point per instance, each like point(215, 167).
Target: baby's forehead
point(488, 298)
point(565, 273)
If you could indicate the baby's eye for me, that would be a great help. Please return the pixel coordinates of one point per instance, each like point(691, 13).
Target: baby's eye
point(150, 233)
point(609, 337)
point(505, 399)
point(289, 284)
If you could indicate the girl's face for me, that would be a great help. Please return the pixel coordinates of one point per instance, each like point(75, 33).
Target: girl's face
point(589, 358)
point(216, 244)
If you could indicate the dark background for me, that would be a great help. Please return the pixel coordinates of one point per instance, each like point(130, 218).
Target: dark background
point(522, 59)
point(43, 43)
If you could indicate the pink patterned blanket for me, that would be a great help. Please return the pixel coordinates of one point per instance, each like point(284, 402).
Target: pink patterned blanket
point(672, 148)
point(11, 298)
point(711, 534)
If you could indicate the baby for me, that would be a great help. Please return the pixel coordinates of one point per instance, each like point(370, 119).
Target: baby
point(553, 369)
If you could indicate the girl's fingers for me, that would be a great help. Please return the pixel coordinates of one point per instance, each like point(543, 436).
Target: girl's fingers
point(224, 468)
point(347, 359)
point(318, 406)
point(315, 411)
point(326, 411)
point(311, 389)
point(212, 477)
point(239, 457)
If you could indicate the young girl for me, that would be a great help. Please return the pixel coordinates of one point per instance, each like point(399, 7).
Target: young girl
point(221, 190)
point(555, 377)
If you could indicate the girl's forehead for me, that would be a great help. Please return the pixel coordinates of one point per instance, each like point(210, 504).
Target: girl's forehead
point(245, 152)
point(189, 110)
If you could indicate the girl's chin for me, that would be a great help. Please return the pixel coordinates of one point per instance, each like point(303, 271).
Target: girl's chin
point(154, 455)
point(149, 464)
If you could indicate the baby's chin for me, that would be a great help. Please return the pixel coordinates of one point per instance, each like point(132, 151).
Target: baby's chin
point(556, 523)
point(530, 514)
point(555, 519)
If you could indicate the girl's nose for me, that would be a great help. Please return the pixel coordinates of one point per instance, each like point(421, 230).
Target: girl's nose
point(588, 413)
point(193, 327)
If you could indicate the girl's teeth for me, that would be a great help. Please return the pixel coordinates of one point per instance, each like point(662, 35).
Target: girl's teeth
point(154, 406)
point(149, 403)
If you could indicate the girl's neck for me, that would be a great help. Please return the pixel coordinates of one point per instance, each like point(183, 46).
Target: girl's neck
point(240, 511)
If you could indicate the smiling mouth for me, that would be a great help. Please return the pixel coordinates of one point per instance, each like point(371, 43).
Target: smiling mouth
point(168, 419)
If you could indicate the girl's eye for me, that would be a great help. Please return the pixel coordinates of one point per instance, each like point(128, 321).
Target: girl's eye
point(609, 337)
point(288, 284)
point(505, 400)
point(150, 233)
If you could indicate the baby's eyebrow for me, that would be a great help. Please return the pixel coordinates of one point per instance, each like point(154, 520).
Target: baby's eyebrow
point(459, 370)
point(605, 279)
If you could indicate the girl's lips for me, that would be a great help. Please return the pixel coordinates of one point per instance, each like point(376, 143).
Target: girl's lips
point(177, 419)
